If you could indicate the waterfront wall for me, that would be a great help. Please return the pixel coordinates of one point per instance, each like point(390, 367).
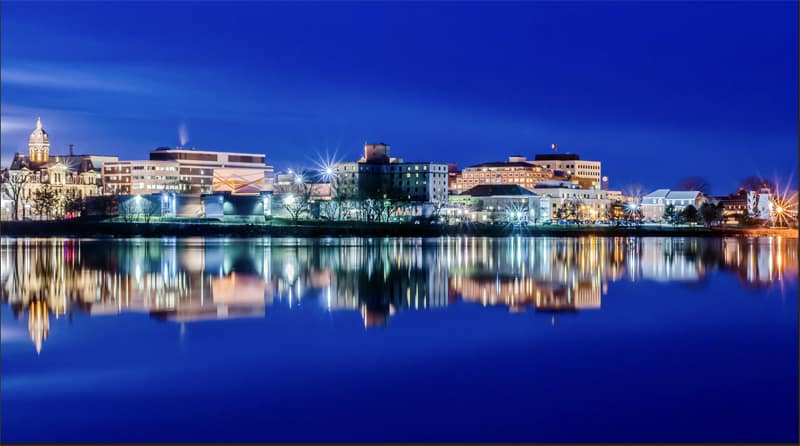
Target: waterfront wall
point(88, 228)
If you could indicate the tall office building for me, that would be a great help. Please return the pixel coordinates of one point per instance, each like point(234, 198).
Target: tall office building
point(586, 173)
point(379, 176)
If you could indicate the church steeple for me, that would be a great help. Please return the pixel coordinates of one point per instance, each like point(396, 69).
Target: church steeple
point(39, 144)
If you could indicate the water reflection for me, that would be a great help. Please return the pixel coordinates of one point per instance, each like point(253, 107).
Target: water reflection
point(191, 279)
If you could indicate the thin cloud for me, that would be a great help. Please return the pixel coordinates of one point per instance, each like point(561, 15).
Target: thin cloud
point(58, 77)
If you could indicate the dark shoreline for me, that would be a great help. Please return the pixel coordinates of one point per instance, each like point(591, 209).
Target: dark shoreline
point(92, 228)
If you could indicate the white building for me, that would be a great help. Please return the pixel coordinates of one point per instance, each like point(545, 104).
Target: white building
point(654, 204)
point(142, 177)
point(565, 202)
point(494, 203)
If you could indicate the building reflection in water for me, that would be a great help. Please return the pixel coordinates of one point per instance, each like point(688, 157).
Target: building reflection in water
point(195, 279)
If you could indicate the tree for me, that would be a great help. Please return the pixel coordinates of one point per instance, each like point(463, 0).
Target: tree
point(330, 209)
point(45, 201)
point(438, 205)
point(670, 214)
point(689, 215)
point(149, 210)
point(755, 183)
point(569, 210)
point(616, 213)
point(694, 183)
point(12, 185)
point(297, 201)
point(710, 213)
point(73, 202)
point(103, 205)
point(138, 208)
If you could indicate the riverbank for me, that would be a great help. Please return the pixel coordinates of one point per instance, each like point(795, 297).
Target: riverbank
point(94, 228)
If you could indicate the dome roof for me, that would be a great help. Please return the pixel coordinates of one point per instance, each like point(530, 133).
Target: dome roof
point(39, 136)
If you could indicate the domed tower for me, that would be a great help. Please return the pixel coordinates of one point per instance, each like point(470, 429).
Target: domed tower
point(39, 144)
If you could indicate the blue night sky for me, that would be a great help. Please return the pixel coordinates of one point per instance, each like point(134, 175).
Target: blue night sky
point(657, 91)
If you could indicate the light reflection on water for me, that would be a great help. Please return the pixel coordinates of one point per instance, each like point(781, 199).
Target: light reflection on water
point(192, 279)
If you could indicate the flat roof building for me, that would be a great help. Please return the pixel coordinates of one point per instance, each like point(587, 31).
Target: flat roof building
point(197, 169)
point(516, 171)
point(588, 173)
point(377, 175)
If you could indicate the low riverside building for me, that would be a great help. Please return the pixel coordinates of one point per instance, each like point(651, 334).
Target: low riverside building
point(655, 203)
point(567, 202)
point(238, 208)
point(734, 207)
point(745, 204)
point(378, 176)
point(500, 203)
point(225, 206)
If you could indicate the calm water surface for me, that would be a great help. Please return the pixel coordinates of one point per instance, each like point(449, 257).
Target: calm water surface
point(517, 339)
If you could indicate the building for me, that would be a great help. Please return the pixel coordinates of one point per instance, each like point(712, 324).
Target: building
point(453, 174)
point(655, 203)
point(734, 206)
point(567, 202)
point(204, 171)
point(760, 204)
point(67, 177)
point(586, 173)
point(494, 203)
point(312, 184)
point(379, 176)
point(39, 144)
point(516, 171)
point(142, 177)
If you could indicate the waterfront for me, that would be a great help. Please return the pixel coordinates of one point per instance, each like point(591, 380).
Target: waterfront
point(417, 339)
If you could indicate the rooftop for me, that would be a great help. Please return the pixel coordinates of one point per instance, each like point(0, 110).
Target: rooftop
point(557, 157)
point(658, 193)
point(487, 190)
point(504, 164)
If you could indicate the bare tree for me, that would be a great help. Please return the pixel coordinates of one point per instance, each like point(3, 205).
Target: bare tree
point(335, 209)
point(149, 210)
point(438, 204)
point(45, 201)
point(13, 185)
point(755, 183)
point(127, 211)
point(569, 210)
point(298, 200)
point(635, 193)
point(73, 202)
point(694, 183)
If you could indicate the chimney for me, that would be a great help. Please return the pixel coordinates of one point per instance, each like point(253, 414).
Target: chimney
point(72, 150)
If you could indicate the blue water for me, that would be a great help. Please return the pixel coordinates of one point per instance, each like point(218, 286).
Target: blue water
point(459, 339)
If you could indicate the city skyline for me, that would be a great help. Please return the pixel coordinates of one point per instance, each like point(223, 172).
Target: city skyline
point(644, 100)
